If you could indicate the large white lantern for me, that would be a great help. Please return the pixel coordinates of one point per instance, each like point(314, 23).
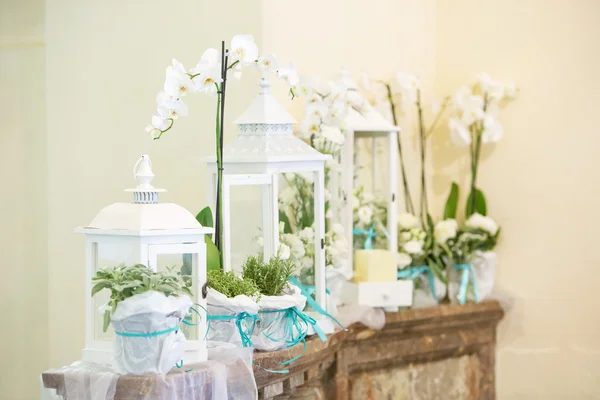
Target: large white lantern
point(369, 125)
point(158, 235)
point(264, 150)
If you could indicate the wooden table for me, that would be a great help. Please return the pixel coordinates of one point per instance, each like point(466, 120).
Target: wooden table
point(351, 363)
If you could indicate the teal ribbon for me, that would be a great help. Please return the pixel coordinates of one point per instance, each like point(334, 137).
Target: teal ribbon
point(307, 291)
point(468, 273)
point(294, 326)
point(370, 234)
point(415, 272)
point(241, 321)
point(152, 334)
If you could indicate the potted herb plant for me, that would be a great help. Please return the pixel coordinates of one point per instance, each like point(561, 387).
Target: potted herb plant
point(281, 320)
point(232, 308)
point(145, 310)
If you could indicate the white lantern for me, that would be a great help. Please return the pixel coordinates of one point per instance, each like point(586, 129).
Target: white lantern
point(264, 149)
point(369, 125)
point(147, 232)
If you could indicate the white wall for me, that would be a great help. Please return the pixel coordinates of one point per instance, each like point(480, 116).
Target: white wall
point(23, 239)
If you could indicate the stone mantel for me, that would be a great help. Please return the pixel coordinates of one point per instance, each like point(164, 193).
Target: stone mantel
point(445, 352)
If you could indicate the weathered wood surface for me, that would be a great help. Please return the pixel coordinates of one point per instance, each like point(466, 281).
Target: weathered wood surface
point(354, 359)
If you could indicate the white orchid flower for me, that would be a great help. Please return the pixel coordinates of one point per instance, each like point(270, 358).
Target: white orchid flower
point(409, 85)
point(317, 111)
point(208, 72)
point(459, 132)
point(169, 107)
point(459, 98)
point(267, 63)
point(309, 127)
point(289, 74)
point(177, 81)
point(492, 130)
point(158, 125)
point(493, 89)
point(473, 109)
point(337, 113)
point(243, 49)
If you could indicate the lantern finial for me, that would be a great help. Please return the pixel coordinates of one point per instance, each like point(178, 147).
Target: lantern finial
point(144, 193)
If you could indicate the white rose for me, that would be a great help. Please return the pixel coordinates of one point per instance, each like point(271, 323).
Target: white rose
point(413, 247)
point(365, 215)
point(338, 229)
point(329, 214)
point(445, 230)
point(307, 233)
point(404, 260)
point(405, 236)
point(298, 250)
point(284, 252)
point(408, 221)
point(484, 223)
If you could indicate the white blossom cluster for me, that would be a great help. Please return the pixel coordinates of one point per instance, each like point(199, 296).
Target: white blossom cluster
point(205, 77)
point(411, 240)
point(477, 108)
point(479, 232)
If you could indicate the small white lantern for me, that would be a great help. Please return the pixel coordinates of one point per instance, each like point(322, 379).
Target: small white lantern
point(264, 149)
point(147, 232)
point(369, 124)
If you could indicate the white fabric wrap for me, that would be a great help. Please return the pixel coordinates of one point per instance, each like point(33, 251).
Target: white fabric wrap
point(271, 324)
point(148, 313)
point(219, 304)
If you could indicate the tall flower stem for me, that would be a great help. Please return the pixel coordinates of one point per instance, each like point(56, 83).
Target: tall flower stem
point(424, 203)
point(408, 204)
point(475, 154)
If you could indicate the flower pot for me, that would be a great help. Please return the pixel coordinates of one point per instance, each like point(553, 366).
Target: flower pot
point(231, 320)
point(275, 329)
point(148, 339)
point(484, 276)
point(423, 295)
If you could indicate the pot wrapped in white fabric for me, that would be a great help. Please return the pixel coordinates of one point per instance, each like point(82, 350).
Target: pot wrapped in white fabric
point(231, 320)
point(148, 340)
point(282, 323)
point(474, 281)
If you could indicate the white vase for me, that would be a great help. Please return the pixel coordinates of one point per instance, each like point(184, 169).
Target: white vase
point(484, 267)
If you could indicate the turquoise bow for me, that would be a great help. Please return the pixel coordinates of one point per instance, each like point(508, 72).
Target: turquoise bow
point(415, 272)
point(241, 321)
point(307, 291)
point(468, 273)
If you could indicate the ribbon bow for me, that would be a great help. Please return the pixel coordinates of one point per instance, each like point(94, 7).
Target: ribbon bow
point(307, 291)
point(241, 321)
point(415, 272)
point(468, 273)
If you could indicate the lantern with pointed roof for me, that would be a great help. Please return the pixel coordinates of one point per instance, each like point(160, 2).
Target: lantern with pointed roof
point(265, 149)
point(368, 125)
point(157, 235)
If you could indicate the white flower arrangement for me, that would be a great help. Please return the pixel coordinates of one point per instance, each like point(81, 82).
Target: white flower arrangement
point(478, 233)
point(369, 211)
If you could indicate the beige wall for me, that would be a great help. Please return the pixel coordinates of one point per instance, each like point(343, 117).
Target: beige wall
point(23, 239)
point(542, 182)
point(104, 63)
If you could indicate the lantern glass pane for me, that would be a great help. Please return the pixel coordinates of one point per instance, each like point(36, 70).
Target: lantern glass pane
point(246, 229)
point(187, 265)
point(108, 255)
point(370, 191)
point(297, 241)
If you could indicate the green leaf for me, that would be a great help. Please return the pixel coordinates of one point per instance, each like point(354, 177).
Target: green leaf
point(286, 222)
point(205, 217)
point(430, 223)
point(451, 202)
point(213, 257)
point(480, 204)
point(106, 320)
point(103, 284)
